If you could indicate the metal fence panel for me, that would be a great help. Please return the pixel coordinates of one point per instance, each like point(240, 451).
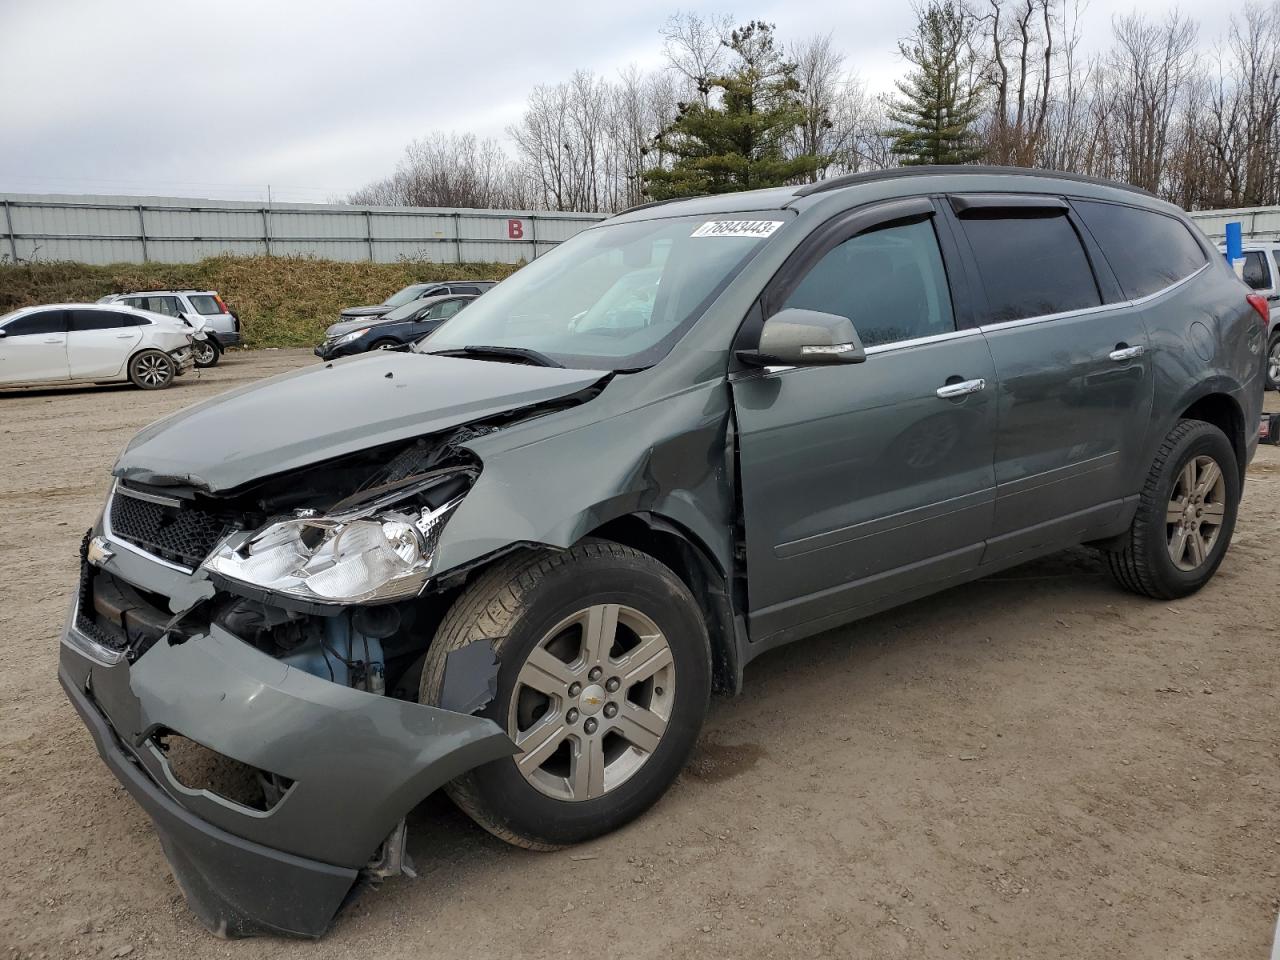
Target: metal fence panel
point(111, 229)
point(1257, 223)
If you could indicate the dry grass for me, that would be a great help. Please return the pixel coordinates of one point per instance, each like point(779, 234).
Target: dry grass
point(281, 301)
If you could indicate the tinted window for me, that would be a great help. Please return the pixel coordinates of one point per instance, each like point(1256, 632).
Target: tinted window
point(1255, 270)
point(474, 290)
point(1148, 251)
point(889, 282)
point(450, 307)
point(46, 321)
point(169, 306)
point(82, 320)
point(1275, 255)
point(204, 305)
point(1031, 263)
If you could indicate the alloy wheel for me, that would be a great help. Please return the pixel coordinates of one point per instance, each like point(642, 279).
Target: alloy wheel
point(1197, 506)
point(1273, 363)
point(591, 702)
point(153, 370)
point(204, 353)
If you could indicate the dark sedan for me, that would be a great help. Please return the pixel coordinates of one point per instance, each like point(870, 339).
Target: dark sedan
point(417, 291)
point(404, 325)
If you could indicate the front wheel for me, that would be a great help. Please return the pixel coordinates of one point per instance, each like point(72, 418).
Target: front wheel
point(604, 674)
point(1186, 515)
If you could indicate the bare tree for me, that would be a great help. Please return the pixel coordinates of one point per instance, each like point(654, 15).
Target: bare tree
point(822, 85)
point(449, 170)
point(695, 48)
point(1019, 71)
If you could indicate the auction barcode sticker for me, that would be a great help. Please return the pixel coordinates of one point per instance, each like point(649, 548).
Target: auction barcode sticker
point(736, 228)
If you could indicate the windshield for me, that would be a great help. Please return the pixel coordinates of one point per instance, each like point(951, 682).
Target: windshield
point(407, 311)
point(615, 297)
point(404, 296)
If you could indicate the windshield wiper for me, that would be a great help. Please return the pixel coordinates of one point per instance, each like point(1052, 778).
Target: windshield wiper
point(523, 354)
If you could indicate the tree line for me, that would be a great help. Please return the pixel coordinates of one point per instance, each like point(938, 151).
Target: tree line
point(984, 81)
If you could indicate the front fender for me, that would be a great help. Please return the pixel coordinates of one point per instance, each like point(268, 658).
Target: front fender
point(667, 457)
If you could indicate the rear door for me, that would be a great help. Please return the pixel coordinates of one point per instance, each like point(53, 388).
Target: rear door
point(99, 342)
point(34, 347)
point(1075, 379)
point(861, 482)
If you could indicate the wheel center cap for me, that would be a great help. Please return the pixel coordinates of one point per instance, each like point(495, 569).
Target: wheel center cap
point(591, 701)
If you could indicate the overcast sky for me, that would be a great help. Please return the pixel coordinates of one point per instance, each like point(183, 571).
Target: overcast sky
point(315, 97)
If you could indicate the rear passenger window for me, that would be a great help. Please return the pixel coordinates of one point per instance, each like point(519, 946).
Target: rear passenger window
point(1255, 270)
point(1031, 263)
point(889, 282)
point(1148, 251)
point(82, 320)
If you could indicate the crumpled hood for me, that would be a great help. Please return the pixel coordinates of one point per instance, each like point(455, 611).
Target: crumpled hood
point(329, 410)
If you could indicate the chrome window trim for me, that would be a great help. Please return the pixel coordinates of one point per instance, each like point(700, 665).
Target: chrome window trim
point(1101, 308)
point(922, 341)
point(125, 545)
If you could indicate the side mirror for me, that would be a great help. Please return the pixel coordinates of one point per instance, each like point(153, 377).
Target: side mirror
point(804, 338)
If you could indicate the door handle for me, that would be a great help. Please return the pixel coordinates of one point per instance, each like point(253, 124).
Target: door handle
point(1121, 354)
point(124, 336)
point(54, 340)
point(950, 391)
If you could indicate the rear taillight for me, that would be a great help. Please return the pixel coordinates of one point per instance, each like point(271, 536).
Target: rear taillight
point(221, 306)
point(1259, 303)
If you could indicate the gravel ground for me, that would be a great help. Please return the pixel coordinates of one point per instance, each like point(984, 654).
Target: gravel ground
point(1036, 765)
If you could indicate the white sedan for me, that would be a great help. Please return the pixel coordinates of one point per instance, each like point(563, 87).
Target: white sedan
point(68, 343)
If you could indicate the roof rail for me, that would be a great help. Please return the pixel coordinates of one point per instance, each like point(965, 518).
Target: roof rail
point(971, 169)
point(658, 203)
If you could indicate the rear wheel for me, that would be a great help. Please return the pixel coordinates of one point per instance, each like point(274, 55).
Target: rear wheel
point(151, 370)
point(604, 673)
point(1186, 515)
point(205, 353)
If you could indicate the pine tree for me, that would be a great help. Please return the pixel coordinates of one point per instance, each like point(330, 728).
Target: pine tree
point(938, 101)
point(736, 141)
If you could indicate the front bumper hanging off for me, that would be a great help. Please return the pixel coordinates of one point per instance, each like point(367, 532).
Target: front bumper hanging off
point(354, 764)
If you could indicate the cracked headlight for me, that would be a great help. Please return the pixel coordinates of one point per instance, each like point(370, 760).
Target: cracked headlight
point(380, 553)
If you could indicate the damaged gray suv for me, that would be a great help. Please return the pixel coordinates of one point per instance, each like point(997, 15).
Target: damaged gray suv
point(515, 562)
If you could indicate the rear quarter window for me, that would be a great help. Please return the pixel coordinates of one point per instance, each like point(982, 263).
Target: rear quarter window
point(204, 305)
point(1256, 274)
point(1147, 250)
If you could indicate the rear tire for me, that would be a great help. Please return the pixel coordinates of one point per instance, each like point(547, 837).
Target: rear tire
point(1186, 515)
point(206, 353)
point(606, 723)
point(151, 370)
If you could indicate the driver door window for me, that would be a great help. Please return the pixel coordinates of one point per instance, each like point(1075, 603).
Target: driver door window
point(890, 282)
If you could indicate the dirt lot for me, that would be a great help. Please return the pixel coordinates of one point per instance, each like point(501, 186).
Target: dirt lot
point(1035, 766)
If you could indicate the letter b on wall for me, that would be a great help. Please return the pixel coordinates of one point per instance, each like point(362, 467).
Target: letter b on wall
point(515, 229)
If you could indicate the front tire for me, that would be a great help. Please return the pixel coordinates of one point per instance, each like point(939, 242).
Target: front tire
point(1185, 517)
point(151, 370)
point(604, 675)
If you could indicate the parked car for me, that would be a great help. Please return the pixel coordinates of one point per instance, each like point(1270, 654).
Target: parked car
point(515, 561)
point(66, 343)
point(402, 326)
point(221, 323)
point(417, 291)
point(1262, 274)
